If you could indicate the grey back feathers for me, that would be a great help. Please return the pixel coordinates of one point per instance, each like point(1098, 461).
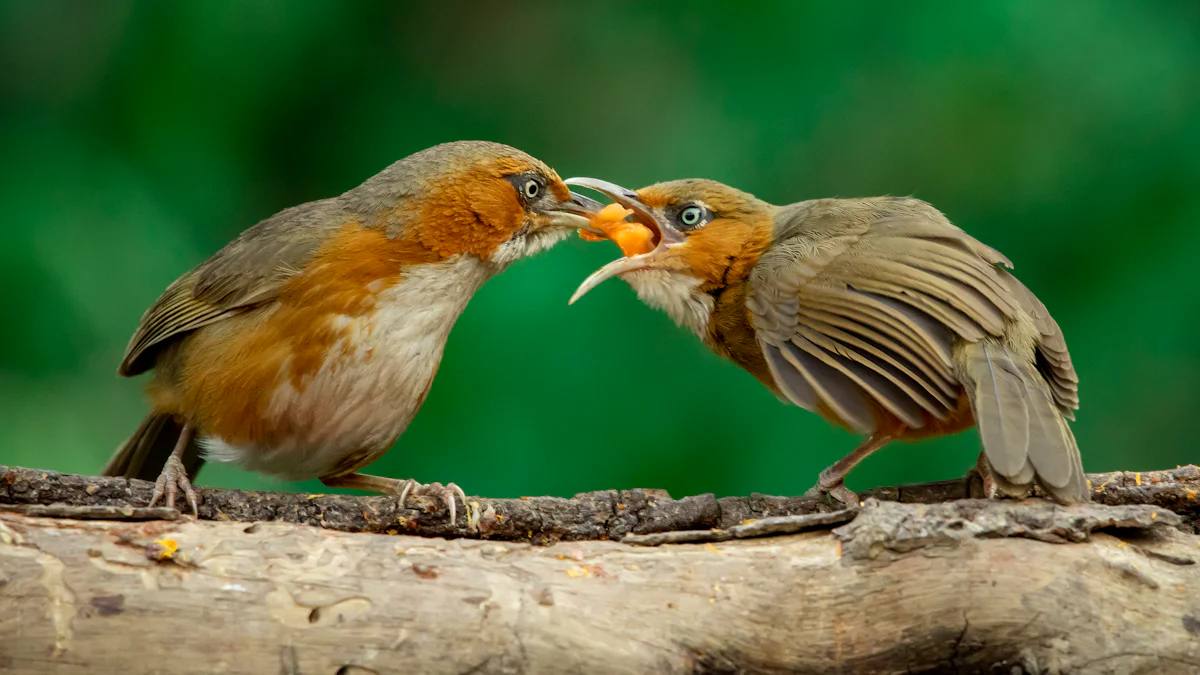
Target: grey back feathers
point(247, 272)
point(882, 303)
point(251, 269)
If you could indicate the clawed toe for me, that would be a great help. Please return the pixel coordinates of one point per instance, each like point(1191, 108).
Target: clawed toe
point(170, 482)
point(401, 488)
point(445, 492)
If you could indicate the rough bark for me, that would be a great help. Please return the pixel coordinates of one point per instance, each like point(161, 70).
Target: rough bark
point(922, 582)
point(609, 514)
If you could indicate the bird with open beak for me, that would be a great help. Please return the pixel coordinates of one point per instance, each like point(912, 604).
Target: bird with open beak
point(876, 313)
point(305, 347)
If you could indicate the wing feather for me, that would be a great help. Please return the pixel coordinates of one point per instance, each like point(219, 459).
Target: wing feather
point(869, 314)
point(249, 271)
point(873, 378)
point(938, 381)
point(872, 355)
point(836, 391)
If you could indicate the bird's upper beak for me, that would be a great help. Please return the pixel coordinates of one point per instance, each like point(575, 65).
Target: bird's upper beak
point(665, 235)
point(574, 213)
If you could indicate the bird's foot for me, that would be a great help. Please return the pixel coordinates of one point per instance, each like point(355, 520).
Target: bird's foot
point(399, 488)
point(981, 481)
point(445, 492)
point(831, 483)
point(173, 479)
point(830, 487)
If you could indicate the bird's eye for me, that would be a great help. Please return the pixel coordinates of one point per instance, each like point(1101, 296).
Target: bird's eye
point(531, 189)
point(691, 217)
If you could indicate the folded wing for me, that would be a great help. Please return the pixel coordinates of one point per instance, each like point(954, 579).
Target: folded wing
point(882, 304)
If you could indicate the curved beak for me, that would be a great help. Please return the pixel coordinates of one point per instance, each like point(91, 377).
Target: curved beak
point(667, 235)
point(612, 269)
point(574, 213)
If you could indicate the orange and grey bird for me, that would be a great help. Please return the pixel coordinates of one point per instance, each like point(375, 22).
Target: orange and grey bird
point(305, 346)
point(877, 313)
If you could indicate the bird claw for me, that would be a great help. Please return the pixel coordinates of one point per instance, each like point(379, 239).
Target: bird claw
point(834, 490)
point(445, 492)
point(173, 479)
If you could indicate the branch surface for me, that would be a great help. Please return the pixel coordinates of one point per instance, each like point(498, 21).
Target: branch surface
point(915, 580)
point(609, 514)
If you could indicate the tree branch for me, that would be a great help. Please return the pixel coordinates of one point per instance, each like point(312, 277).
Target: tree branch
point(915, 580)
point(609, 514)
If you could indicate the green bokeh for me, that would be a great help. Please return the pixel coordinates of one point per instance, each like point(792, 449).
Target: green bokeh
point(140, 137)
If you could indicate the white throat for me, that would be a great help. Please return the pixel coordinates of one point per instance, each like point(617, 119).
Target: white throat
point(526, 245)
point(677, 295)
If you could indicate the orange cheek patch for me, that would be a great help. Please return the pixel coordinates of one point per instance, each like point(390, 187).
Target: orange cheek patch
point(474, 214)
point(633, 238)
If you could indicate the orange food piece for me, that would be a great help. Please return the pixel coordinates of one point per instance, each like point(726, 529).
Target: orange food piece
point(633, 238)
point(613, 213)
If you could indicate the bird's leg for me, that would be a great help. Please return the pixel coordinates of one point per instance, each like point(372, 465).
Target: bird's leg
point(991, 488)
point(174, 476)
point(399, 488)
point(832, 480)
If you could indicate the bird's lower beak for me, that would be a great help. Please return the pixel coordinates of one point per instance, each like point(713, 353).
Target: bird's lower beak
point(612, 269)
point(666, 235)
point(574, 214)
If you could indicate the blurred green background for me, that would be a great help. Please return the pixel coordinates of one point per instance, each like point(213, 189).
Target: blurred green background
point(139, 137)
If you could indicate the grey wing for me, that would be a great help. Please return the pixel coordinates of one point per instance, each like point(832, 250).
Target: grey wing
point(246, 273)
point(868, 310)
point(1053, 359)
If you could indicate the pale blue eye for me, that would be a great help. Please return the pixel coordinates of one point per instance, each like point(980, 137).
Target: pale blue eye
point(691, 216)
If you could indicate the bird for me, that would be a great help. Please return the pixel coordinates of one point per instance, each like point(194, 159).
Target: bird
point(304, 347)
point(877, 313)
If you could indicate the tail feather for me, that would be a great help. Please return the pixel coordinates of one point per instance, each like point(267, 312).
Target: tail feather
point(1026, 475)
point(1050, 441)
point(998, 399)
point(1017, 485)
point(143, 454)
point(1025, 437)
point(1076, 489)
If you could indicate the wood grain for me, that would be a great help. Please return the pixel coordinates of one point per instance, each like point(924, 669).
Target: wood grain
point(947, 586)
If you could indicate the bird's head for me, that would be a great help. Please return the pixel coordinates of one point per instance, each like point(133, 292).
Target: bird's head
point(479, 198)
point(706, 235)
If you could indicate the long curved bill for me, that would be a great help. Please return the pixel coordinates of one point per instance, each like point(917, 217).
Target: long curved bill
point(667, 235)
point(623, 196)
point(612, 269)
